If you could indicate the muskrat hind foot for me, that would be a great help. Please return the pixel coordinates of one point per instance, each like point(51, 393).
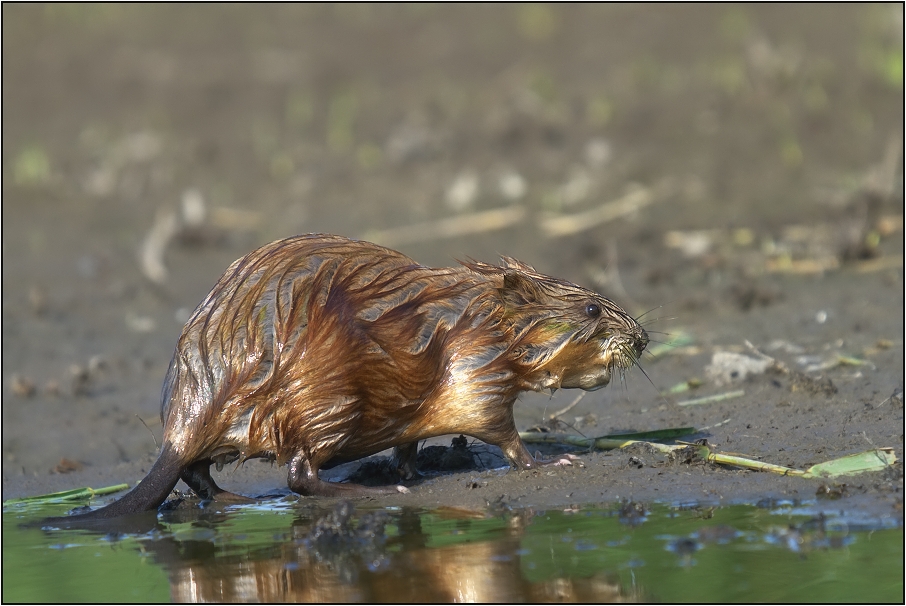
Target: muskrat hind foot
point(303, 479)
point(197, 476)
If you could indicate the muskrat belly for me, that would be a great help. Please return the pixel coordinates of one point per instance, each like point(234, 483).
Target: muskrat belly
point(362, 443)
point(234, 444)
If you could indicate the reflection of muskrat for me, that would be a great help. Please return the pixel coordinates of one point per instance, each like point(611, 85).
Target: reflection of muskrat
point(317, 349)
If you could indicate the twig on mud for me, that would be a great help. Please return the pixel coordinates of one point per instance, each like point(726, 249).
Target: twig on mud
point(460, 225)
point(720, 397)
point(897, 395)
point(564, 225)
point(151, 258)
point(724, 422)
point(879, 264)
point(569, 407)
point(168, 224)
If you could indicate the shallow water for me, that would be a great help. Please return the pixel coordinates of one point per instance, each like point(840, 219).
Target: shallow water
point(288, 550)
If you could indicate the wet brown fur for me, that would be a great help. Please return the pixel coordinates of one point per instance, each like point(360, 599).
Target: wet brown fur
point(318, 349)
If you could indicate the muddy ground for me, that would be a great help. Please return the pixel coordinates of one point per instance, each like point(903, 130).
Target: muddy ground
point(745, 163)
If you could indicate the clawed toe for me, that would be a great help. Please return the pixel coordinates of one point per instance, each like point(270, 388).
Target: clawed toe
point(558, 461)
point(564, 461)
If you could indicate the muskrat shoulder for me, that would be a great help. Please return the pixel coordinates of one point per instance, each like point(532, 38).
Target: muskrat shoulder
point(318, 349)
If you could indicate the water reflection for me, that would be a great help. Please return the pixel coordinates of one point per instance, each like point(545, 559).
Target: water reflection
point(344, 556)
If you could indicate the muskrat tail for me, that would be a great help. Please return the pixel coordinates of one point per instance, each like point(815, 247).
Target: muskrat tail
point(146, 496)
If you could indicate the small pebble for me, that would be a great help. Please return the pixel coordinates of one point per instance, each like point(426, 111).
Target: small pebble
point(22, 386)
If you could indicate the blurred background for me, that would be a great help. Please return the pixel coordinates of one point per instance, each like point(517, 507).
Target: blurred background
point(683, 155)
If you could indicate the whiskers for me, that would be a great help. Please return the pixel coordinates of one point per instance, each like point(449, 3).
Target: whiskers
point(650, 321)
point(660, 395)
point(638, 364)
point(625, 356)
point(670, 342)
point(667, 340)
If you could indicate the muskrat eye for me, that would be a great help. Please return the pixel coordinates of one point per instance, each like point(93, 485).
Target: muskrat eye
point(592, 310)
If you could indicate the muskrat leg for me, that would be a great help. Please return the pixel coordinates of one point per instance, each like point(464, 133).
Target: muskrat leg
point(198, 477)
point(303, 479)
point(404, 457)
point(519, 456)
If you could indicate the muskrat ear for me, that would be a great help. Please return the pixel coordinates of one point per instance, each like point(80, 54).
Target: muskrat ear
point(519, 289)
point(511, 263)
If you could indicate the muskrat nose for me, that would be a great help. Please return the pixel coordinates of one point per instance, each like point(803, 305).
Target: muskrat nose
point(641, 342)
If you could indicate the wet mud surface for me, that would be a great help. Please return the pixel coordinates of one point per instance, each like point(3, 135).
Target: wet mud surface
point(733, 173)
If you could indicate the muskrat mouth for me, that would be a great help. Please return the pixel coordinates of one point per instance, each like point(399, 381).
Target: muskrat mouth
point(622, 355)
point(623, 350)
point(596, 381)
point(616, 354)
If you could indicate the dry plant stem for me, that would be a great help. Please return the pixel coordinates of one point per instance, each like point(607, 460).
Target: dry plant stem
point(565, 225)
point(712, 399)
point(461, 225)
point(166, 225)
point(569, 407)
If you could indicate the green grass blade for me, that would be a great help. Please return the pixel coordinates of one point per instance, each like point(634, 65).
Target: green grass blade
point(655, 434)
point(65, 496)
point(531, 437)
point(872, 460)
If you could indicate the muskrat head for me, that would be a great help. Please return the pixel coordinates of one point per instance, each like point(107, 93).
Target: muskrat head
point(564, 335)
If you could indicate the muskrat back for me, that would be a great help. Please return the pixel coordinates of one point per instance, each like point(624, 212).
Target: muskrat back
point(318, 349)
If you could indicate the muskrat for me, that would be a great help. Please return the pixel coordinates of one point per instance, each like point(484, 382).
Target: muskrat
point(318, 349)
